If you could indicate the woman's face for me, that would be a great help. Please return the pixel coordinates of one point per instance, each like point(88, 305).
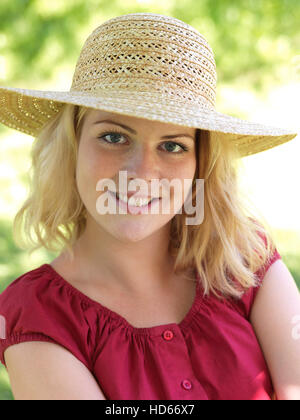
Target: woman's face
point(144, 154)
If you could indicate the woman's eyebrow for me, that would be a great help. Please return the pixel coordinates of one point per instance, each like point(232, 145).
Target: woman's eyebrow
point(134, 132)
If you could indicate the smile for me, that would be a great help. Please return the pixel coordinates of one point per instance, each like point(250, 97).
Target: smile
point(134, 204)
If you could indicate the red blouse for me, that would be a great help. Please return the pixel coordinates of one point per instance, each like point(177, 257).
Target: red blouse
point(212, 354)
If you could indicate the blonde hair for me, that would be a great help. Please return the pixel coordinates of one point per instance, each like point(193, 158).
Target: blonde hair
point(229, 242)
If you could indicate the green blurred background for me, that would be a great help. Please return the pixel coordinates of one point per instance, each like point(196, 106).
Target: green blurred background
point(256, 46)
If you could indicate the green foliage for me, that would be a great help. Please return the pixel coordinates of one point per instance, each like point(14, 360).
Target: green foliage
point(250, 38)
point(288, 245)
point(5, 390)
point(10, 256)
point(30, 28)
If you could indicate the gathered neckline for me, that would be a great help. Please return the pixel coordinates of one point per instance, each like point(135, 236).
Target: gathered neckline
point(154, 330)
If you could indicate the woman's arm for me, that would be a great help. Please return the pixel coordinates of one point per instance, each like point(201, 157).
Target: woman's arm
point(275, 317)
point(46, 371)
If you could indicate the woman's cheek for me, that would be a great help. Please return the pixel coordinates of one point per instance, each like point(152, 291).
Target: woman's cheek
point(95, 163)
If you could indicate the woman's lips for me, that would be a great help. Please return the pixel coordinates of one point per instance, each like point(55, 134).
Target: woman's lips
point(131, 194)
point(132, 208)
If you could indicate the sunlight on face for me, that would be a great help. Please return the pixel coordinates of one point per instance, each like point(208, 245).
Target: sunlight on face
point(105, 149)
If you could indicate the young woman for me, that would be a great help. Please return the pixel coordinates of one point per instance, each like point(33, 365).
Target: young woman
point(140, 303)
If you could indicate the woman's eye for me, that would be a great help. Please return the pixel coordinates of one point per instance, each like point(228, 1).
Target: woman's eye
point(170, 146)
point(114, 135)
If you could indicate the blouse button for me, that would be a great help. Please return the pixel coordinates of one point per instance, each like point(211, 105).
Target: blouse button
point(186, 384)
point(168, 335)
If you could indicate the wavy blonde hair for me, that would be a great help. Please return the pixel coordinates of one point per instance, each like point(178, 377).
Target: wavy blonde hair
point(229, 242)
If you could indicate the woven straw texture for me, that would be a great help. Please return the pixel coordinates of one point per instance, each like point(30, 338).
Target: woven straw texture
point(144, 65)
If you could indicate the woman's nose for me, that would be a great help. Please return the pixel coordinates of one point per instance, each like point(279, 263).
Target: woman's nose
point(142, 163)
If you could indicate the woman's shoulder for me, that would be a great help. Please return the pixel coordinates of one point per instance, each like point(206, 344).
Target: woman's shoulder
point(40, 291)
point(37, 306)
point(25, 283)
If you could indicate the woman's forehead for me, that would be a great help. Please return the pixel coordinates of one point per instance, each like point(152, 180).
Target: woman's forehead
point(94, 115)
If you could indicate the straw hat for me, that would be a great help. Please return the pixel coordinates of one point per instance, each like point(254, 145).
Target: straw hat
point(143, 65)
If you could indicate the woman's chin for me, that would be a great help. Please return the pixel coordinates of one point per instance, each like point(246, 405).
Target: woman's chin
point(134, 230)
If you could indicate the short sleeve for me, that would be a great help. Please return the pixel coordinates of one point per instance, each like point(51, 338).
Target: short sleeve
point(245, 303)
point(262, 272)
point(34, 308)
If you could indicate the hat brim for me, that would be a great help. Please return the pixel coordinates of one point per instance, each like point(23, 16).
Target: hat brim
point(29, 110)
